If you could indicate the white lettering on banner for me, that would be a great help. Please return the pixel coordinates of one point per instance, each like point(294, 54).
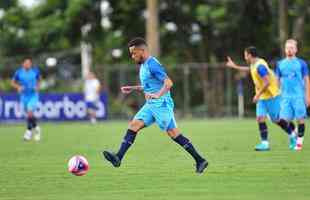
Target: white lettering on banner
point(50, 109)
point(68, 108)
point(81, 109)
point(1, 107)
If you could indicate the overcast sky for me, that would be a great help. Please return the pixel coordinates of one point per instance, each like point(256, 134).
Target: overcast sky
point(29, 3)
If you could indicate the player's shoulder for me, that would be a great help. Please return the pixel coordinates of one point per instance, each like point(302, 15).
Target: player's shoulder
point(281, 62)
point(19, 70)
point(17, 73)
point(260, 59)
point(35, 69)
point(152, 61)
point(301, 61)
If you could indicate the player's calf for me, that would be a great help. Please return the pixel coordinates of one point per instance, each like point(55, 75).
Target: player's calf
point(201, 163)
point(116, 159)
point(28, 133)
point(300, 138)
point(288, 127)
point(263, 130)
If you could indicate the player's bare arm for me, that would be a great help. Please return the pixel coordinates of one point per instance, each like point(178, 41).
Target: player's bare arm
point(307, 92)
point(231, 64)
point(16, 86)
point(99, 88)
point(129, 88)
point(166, 87)
point(263, 89)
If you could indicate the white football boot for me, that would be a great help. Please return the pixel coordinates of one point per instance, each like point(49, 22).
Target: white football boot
point(37, 135)
point(27, 135)
point(93, 120)
point(299, 143)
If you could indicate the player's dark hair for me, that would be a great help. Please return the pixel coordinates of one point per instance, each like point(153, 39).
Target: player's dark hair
point(138, 41)
point(251, 50)
point(27, 58)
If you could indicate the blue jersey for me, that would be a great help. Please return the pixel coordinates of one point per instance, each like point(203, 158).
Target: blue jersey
point(27, 79)
point(291, 73)
point(152, 76)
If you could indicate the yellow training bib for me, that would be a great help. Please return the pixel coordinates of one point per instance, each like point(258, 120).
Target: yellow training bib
point(273, 88)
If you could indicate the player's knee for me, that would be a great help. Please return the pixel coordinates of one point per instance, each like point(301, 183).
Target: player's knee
point(300, 121)
point(135, 125)
point(30, 114)
point(260, 119)
point(173, 133)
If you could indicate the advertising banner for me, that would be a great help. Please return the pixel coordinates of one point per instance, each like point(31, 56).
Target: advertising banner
point(52, 106)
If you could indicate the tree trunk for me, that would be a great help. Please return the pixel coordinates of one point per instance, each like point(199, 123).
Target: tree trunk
point(283, 23)
point(152, 29)
point(299, 23)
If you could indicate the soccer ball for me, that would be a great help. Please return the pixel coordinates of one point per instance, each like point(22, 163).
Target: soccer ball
point(78, 165)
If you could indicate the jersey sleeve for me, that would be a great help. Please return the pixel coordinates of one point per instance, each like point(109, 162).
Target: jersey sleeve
point(277, 70)
point(304, 68)
point(157, 70)
point(38, 73)
point(16, 76)
point(262, 70)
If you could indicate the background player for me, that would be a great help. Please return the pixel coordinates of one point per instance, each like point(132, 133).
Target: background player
point(294, 81)
point(26, 81)
point(91, 95)
point(267, 96)
point(158, 107)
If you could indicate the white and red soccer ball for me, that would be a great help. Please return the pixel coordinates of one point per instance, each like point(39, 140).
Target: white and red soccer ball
point(78, 165)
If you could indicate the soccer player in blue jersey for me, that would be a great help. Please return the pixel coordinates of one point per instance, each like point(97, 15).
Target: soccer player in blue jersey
point(158, 107)
point(26, 81)
point(293, 75)
point(267, 96)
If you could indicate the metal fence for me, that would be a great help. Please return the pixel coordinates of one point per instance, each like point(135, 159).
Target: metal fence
point(200, 90)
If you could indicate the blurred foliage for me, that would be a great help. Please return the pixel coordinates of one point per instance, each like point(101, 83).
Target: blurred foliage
point(205, 30)
point(190, 31)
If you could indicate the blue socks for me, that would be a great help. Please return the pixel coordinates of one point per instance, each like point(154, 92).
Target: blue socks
point(127, 142)
point(263, 131)
point(288, 127)
point(31, 122)
point(301, 130)
point(187, 145)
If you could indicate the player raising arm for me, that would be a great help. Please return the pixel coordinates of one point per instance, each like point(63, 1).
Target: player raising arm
point(267, 96)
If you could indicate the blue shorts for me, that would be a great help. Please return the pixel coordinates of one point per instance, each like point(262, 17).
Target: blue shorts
point(293, 108)
point(163, 115)
point(29, 102)
point(269, 107)
point(91, 105)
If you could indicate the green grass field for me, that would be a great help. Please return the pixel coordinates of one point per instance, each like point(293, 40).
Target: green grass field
point(155, 168)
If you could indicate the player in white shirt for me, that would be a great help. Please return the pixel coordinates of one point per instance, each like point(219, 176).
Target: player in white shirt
point(91, 95)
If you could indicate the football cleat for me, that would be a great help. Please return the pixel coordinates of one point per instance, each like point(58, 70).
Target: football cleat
point(201, 166)
point(37, 135)
point(298, 147)
point(262, 147)
point(112, 158)
point(27, 135)
point(292, 143)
